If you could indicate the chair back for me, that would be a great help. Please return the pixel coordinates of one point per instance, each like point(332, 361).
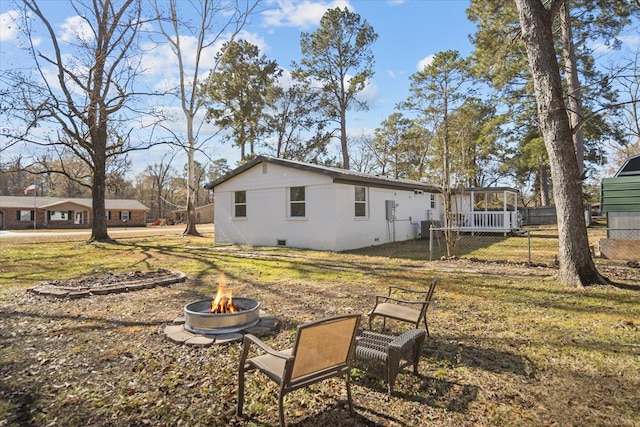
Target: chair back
point(432, 287)
point(323, 345)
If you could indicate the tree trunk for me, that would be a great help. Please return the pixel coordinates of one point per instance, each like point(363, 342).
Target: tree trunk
point(545, 200)
point(99, 231)
point(343, 140)
point(573, 86)
point(576, 265)
point(191, 230)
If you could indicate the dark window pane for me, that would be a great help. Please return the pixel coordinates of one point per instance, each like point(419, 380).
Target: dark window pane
point(297, 194)
point(297, 209)
point(241, 197)
point(361, 209)
point(241, 210)
point(361, 194)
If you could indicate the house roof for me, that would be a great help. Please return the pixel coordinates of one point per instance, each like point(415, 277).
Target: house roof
point(27, 202)
point(631, 167)
point(343, 176)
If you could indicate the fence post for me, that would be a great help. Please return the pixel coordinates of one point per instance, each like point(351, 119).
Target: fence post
point(529, 244)
point(430, 242)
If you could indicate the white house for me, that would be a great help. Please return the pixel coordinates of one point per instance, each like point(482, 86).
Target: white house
point(275, 202)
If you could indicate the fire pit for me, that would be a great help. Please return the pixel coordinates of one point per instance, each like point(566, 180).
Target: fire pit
point(222, 314)
point(199, 318)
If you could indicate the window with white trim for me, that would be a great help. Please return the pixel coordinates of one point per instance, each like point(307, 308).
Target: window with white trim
point(25, 215)
point(433, 201)
point(58, 215)
point(360, 200)
point(297, 202)
point(240, 204)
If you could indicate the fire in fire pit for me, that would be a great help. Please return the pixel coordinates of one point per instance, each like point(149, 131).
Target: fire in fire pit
point(223, 302)
point(222, 314)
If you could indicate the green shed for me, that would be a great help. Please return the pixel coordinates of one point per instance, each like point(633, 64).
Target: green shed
point(620, 200)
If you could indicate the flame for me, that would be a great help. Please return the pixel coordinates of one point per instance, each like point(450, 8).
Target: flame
point(223, 302)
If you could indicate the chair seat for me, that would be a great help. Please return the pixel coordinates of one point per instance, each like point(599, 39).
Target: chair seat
point(270, 365)
point(395, 311)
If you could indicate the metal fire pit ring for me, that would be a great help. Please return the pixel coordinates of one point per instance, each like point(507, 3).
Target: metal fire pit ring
point(199, 320)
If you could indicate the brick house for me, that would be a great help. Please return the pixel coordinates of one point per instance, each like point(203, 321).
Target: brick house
point(25, 212)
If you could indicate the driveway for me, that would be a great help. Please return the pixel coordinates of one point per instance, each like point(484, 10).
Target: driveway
point(85, 233)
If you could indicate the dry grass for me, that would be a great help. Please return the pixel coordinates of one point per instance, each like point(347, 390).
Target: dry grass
point(509, 345)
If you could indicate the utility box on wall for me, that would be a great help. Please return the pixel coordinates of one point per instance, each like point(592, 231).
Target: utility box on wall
point(390, 206)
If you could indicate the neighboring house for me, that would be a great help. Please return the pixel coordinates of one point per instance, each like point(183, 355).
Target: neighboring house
point(620, 201)
point(276, 202)
point(28, 212)
point(204, 214)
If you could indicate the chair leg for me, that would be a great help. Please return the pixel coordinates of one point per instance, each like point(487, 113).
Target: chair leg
point(240, 391)
point(349, 399)
point(426, 325)
point(281, 408)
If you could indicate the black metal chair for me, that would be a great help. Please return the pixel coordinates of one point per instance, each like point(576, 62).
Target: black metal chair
point(404, 305)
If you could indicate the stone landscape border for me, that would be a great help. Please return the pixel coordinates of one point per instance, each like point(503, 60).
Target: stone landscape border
point(108, 283)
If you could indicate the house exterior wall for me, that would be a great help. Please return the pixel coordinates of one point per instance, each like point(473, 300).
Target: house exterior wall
point(267, 222)
point(409, 209)
point(330, 222)
point(51, 214)
point(10, 219)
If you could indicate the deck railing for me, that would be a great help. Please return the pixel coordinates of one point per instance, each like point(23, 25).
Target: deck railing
point(487, 220)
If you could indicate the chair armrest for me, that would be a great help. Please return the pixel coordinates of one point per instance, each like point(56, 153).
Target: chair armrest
point(249, 338)
point(384, 298)
point(412, 291)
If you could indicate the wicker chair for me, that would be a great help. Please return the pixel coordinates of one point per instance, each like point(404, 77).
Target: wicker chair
point(412, 310)
point(322, 349)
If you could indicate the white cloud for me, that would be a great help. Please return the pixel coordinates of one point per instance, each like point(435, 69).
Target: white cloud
point(303, 14)
point(632, 42)
point(9, 26)
point(425, 62)
point(76, 28)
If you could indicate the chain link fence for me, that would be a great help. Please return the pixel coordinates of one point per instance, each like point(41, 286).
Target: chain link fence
point(533, 245)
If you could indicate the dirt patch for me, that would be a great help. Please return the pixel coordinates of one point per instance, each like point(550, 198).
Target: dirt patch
point(108, 283)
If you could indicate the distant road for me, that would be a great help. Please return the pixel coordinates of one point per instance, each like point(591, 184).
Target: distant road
point(86, 233)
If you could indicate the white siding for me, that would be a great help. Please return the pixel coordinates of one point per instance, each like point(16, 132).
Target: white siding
point(267, 219)
point(330, 222)
point(376, 229)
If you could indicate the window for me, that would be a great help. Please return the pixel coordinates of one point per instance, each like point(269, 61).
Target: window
point(25, 215)
point(360, 201)
point(240, 203)
point(297, 204)
point(58, 215)
point(125, 215)
point(433, 201)
point(108, 215)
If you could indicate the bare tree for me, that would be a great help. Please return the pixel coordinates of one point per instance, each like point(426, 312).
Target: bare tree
point(160, 174)
point(93, 67)
point(219, 20)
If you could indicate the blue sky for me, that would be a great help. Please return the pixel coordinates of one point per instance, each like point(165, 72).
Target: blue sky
point(410, 32)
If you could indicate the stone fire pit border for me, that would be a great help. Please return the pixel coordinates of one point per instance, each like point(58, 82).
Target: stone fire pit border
point(178, 334)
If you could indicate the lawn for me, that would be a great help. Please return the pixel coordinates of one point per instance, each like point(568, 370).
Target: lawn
point(509, 346)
